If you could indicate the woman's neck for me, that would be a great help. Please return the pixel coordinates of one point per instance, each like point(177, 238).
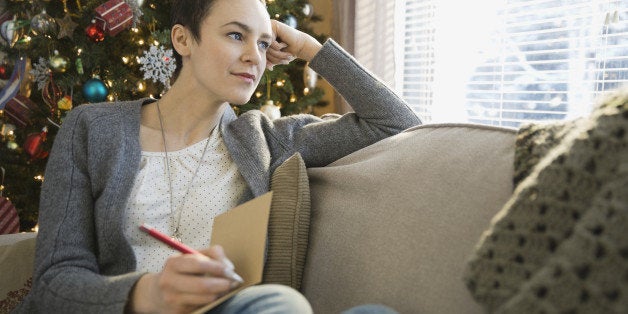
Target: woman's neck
point(185, 121)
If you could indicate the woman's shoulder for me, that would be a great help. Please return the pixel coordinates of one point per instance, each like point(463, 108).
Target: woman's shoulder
point(108, 108)
point(107, 112)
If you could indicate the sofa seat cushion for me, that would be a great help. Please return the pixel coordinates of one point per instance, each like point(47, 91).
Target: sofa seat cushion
point(395, 222)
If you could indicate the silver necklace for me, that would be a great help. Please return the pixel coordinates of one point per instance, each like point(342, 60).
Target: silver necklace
point(177, 231)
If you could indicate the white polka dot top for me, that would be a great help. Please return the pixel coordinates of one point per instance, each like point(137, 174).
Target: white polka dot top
point(217, 188)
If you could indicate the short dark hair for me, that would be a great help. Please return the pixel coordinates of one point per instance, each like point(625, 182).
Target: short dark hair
point(190, 14)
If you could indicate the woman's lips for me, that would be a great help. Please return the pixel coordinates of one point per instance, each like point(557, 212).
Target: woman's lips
point(246, 76)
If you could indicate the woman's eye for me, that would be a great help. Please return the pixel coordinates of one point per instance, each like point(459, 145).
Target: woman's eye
point(235, 35)
point(264, 45)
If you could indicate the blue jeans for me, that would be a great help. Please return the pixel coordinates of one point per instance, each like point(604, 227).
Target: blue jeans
point(270, 298)
point(265, 299)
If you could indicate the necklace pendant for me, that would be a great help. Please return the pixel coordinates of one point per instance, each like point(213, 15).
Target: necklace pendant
point(176, 236)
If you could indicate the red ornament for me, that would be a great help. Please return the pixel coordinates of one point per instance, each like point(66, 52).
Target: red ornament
point(95, 32)
point(5, 72)
point(9, 220)
point(33, 145)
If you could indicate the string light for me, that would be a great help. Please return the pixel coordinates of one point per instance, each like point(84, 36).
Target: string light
point(39, 178)
point(306, 91)
point(125, 60)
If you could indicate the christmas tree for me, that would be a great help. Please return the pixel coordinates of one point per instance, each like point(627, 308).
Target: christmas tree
point(58, 54)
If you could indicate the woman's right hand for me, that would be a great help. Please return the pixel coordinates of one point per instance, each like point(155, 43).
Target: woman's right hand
point(187, 282)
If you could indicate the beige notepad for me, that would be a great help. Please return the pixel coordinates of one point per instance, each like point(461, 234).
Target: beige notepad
point(242, 233)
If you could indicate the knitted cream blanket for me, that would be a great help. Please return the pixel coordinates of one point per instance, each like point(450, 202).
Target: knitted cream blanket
point(560, 244)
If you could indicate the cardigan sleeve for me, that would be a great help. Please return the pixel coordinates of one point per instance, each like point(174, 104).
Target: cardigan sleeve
point(67, 277)
point(378, 111)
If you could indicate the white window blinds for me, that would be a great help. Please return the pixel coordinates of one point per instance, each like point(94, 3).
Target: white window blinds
point(506, 62)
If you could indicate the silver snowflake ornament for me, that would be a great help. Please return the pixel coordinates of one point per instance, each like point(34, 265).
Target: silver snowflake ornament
point(158, 65)
point(41, 73)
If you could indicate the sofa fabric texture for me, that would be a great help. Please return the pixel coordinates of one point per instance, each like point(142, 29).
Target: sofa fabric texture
point(17, 252)
point(559, 245)
point(394, 223)
point(288, 224)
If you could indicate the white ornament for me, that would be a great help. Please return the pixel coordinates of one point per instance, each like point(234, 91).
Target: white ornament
point(310, 77)
point(271, 110)
point(158, 65)
point(40, 73)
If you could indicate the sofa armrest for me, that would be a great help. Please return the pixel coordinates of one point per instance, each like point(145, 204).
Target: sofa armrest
point(17, 252)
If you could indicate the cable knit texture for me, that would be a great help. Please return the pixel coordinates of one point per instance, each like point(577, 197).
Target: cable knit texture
point(559, 245)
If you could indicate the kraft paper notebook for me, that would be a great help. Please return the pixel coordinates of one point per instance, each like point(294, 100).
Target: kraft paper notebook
point(242, 233)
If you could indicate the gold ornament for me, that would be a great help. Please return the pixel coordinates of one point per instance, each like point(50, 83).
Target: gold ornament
point(58, 63)
point(65, 103)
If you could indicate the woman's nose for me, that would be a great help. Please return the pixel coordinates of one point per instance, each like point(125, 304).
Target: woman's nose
point(252, 54)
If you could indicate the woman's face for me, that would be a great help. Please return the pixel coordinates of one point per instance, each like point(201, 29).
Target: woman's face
point(230, 57)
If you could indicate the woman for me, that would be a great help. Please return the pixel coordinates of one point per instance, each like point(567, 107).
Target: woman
point(179, 161)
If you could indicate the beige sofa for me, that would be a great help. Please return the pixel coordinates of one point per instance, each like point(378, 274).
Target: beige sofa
point(393, 223)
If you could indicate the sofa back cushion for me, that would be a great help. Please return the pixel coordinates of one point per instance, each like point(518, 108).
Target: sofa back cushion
point(395, 222)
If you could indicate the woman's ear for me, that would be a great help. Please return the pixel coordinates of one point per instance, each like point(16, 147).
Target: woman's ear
point(181, 39)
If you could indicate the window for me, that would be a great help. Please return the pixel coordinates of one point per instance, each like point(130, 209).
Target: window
point(506, 62)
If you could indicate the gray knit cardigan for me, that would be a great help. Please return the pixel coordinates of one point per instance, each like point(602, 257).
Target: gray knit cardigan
point(84, 263)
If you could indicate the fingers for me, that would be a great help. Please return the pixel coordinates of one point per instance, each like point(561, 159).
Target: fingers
point(275, 55)
point(191, 280)
point(217, 253)
point(298, 44)
point(194, 264)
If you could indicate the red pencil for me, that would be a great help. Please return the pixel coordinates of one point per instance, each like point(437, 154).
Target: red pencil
point(229, 272)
